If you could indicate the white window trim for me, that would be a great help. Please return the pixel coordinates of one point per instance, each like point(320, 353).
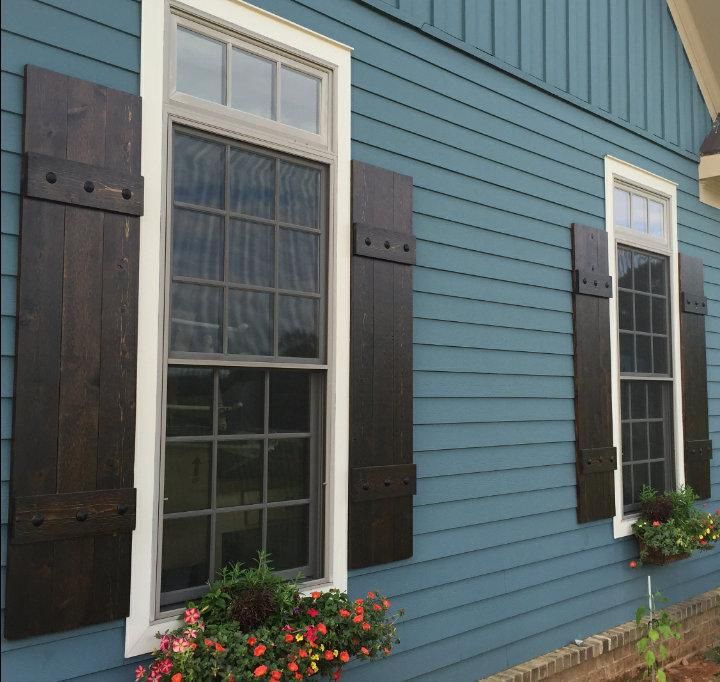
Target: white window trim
point(141, 624)
point(617, 170)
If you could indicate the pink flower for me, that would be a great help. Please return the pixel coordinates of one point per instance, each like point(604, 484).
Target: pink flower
point(192, 616)
point(154, 676)
point(140, 672)
point(190, 633)
point(165, 643)
point(180, 644)
point(656, 524)
point(165, 666)
point(312, 612)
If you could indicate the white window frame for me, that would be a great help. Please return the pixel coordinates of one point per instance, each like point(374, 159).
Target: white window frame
point(626, 174)
point(331, 146)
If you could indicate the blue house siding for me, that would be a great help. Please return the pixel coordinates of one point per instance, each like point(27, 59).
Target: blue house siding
point(501, 166)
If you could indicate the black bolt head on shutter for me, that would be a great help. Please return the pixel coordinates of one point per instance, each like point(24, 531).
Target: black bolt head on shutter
point(72, 501)
point(382, 473)
point(596, 458)
point(696, 434)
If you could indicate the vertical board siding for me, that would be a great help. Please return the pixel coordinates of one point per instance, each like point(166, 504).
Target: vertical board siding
point(94, 41)
point(501, 570)
point(620, 56)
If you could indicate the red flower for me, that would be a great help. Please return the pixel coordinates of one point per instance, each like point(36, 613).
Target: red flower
point(328, 655)
point(344, 656)
point(192, 616)
point(322, 628)
point(219, 647)
point(316, 595)
point(140, 672)
point(366, 626)
point(377, 607)
point(177, 677)
point(359, 601)
point(358, 618)
point(208, 642)
point(372, 595)
point(703, 542)
point(289, 638)
point(336, 675)
point(293, 667)
point(252, 641)
point(344, 613)
point(275, 674)
point(365, 650)
point(386, 603)
point(656, 524)
point(359, 609)
point(633, 564)
point(259, 650)
point(260, 671)
point(165, 666)
point(298, 676)
point(165, 642)
point(302, 653)
point(312, 612)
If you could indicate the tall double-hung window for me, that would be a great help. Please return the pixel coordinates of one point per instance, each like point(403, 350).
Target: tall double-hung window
point(642, 229)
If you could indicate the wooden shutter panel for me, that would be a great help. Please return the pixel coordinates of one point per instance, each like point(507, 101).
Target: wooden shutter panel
point(596, 458)
point(72, 501)
point(382, 473)
point(697, 444)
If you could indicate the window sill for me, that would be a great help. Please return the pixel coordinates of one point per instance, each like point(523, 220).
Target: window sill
point(622, 525)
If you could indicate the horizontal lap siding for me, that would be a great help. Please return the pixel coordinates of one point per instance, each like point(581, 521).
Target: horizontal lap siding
point(96, 41)
point(501, 570)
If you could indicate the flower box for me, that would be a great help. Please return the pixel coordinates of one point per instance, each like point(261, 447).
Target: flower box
point(655, 557)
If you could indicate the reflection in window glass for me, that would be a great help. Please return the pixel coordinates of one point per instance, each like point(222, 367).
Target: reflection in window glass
point(200, 66)
point(196, 313)
point(621, 203)
point(633, 211)
point(197, 244)
point(198, 171)
point(187, 476)
point(253, 84)
point(298, 327)
point(300, 99)
point(185, 553)
point(655, 218)
point(189, 402)
point(638, 213)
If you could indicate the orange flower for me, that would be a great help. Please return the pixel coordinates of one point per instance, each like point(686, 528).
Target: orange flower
point(366, 626)
point(219, 647)
point(177, 677)
point(193, 646)
point(259, 650)
point(289, 637)
point(365, 650)
point(322, 628)
point(386, 603)
point(316, 595)
point(260, 671)
point(344, 613)
point(359, 601)
point(298, 676)
point(328, 655)
point(302, 653)
point(344, 656)
point(208, 642)
point(293, 667)
point(377, 607)
point(372, 595)
point(252, 641)
point(358, 618)
point(359, 609)
point(275, 674)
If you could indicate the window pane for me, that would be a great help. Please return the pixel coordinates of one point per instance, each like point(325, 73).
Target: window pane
point(625, 269)
point(655, 218)
point(627, 485)
point(252, 184)
point(655, 399)
point(196, 318)
point(187, 476)
point(288, 469)
point(660, 355)
point(641, 274)
point(657, 275)
point(185, 553)
point(621, 201)
point(197, 244)
point(289, 402)
point(199, 171)
point(253, 84)
point(241, 401)
point(657, 476)
point(297, 327)
point(625, 307)
point(300, 99)
point(640, 478)
point(627, 353)
point(626, 441)
point(250, 323)
point(625, 399)
point(638, 403)
point(252, 253)
point(642, 312)
point(298, 260)
point(238, 537)
point(299, 202)
point(189, 401)
point(638, 207)
point(287, 536)
point(657, 440)
point(659, 315)
point(643, 355)
point(200, 66)
point(239, 473)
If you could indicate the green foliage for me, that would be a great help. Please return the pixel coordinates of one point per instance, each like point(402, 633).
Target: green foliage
point(670, 524)
point(652, 646)
point(300, 636)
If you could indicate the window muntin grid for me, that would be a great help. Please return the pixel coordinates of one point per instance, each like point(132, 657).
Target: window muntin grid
point(645, 372)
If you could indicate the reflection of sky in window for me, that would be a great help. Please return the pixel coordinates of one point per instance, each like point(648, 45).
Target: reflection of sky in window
point(200, 66)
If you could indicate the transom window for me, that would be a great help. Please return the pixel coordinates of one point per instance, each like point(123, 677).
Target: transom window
point(639, 212)
point(243, 453)
point(249, 79)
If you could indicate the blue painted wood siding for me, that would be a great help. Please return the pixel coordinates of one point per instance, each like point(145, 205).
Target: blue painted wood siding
point(98, 41)
point(619, 57)
point(502, 571)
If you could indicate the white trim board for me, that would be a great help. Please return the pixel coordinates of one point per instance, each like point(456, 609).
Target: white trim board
point(618, 170)
point(141, 624)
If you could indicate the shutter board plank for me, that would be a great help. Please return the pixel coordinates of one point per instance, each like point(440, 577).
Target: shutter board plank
point(593, 405)
point(381, 368)
point(64, 584)
point(694, 376)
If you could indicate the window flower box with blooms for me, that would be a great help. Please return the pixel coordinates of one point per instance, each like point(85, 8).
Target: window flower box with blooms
point(254, 625)
point(671, 528)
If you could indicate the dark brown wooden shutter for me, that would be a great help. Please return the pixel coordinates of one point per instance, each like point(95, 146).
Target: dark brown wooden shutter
point(72, 501)
point(693, 307)
point(382, 473)
point(596, 458)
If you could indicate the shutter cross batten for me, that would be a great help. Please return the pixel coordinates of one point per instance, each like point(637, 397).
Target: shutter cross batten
point(72, 501)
